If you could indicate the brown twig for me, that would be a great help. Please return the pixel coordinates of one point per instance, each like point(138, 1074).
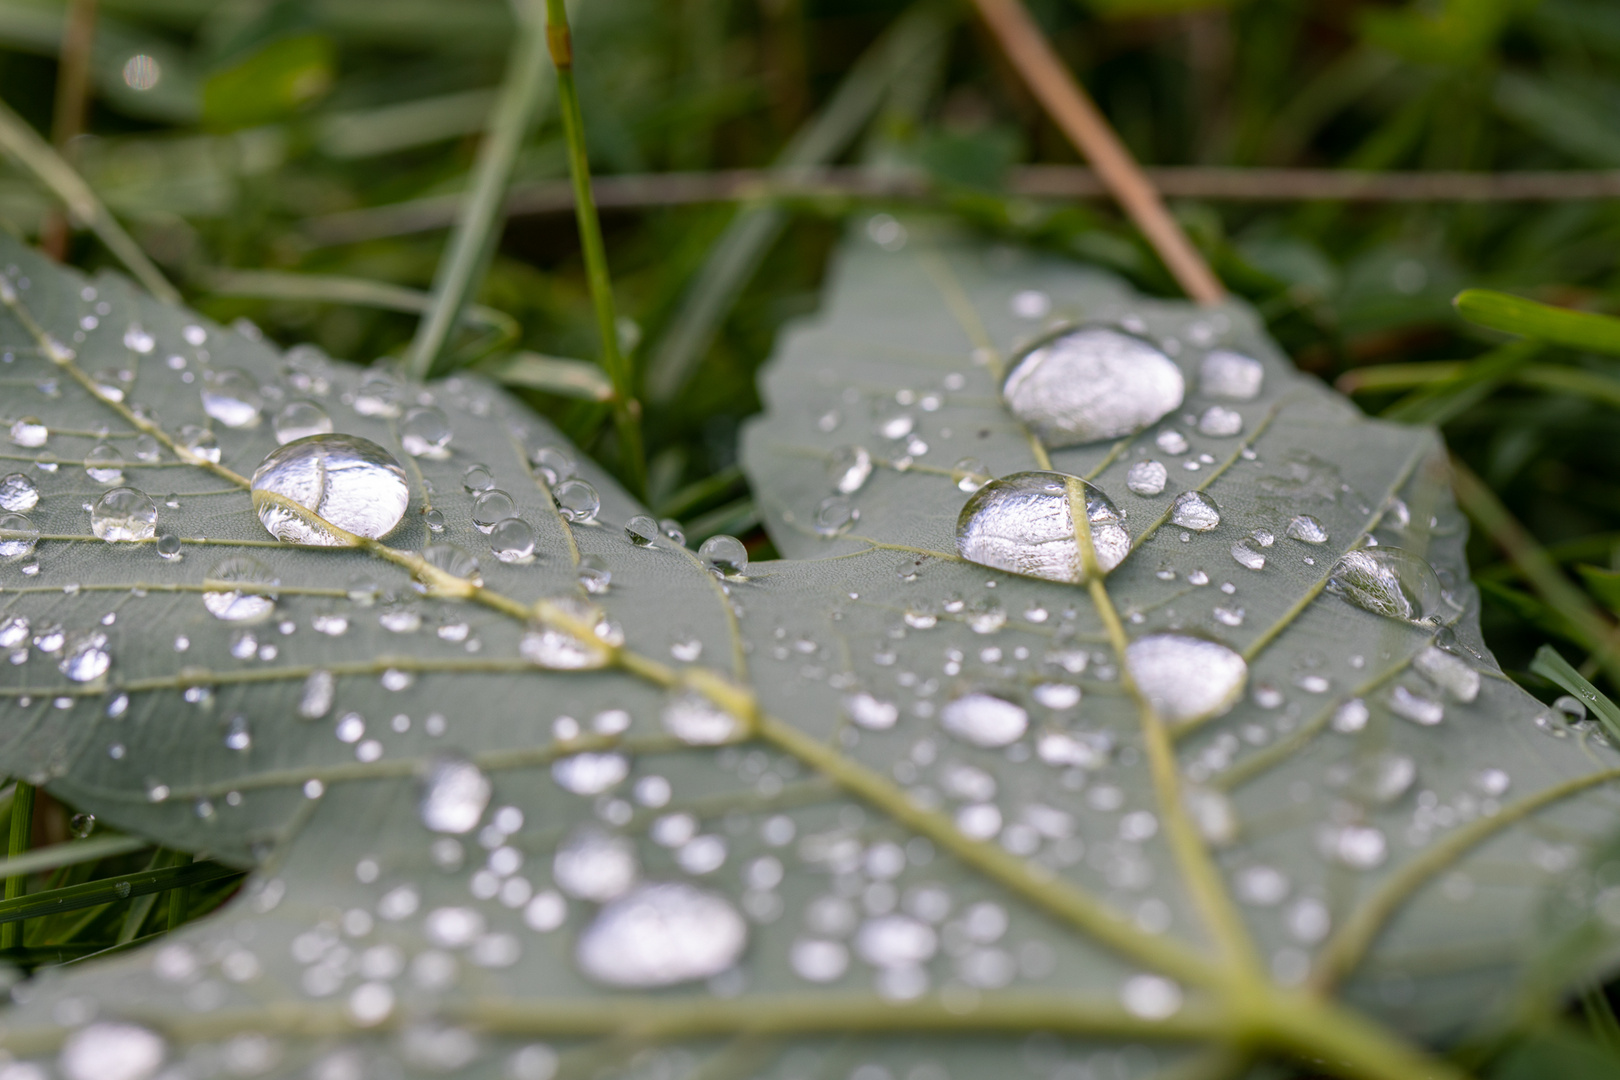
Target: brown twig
point(72, 106)
point(1073, 110)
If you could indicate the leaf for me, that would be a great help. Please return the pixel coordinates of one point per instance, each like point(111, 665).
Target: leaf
point(961, 902)
point(1543, 322)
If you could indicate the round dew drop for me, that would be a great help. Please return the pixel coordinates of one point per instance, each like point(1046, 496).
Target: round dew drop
point(1147, 478)
point(1387, 581)
point(104, 464)
point(300, 420)
point(641, 530)
point(553, 465)
point(512, 540)
point(18, 494)
point(111, 1050)
point(18, 537)
point(849, 469)
point(1196, 511)
point(984, 720)
point(124, 515)
point(425, 432)
point(1306, 528)
point(1226, 374)
point(724, 555)
point(343, 480)
point(1023, 523)
point(1186, 678)
point(29, 432)
point(242, 590)
point(662, 934)
point(834, 516)
point(1093, 383)
point(455, 794)
point(230, 396)
point(490, 507)
point(577, 501)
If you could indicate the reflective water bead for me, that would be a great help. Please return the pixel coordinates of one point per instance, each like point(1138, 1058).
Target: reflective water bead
point(1092, 383)
point(380, 393)
point(870, 712)
point(984, 720)
point(849, 469)
point(1151, 997)
point(1186, 678)
point(13, 631)
point(1220, 422)
point(455, 794)
point(971, 474)
point(490, 507)
point(672, 531)
point(577, 501)
point(661, 934)
point(1306, 528)
point(18, 537)
point(453, 560)
point(18, 494)
point(124, 515)
point(1196, 511)
point(593, 574)
point(230, 396)
point(1147, 477)
point(1231, 375)
point(1387, 581)
point(299, 420)
point(104, 464)
point(641, 530)
point(724, 555)
point(138, 340)
point(111, 1050)
point(1171, 441)
point(199, 442)
point(1248, 555)
point(240, 589)
point(343, 480)
point(477, 478)
point(85, 657)
point(697, 721)
point(553, 465)
point(29, 432)
point(590, 773)
point(512, 540)
point(835, 515)
point(82, 825)
point(1023, 524)
point(1451, 673)
point(425, 432)
point(1423, 711)
point(595, 865)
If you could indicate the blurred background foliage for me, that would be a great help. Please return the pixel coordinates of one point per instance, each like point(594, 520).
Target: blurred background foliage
point(336, 138)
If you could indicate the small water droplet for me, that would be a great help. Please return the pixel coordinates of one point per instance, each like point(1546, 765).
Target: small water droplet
point(315, 701)
point(697, 721)
point(1092, 383)
point(299, 420)
point(380, 394)
point(453, 560)
point(111, 1050)
point(344, 480)
point(490, 507)
point(553, 465)
point(849, 469)
point(18, 537)
point(241, 589)
point(477, 478)
point(1147, 477)
point(1226, 374)
point(593, 574)
point(1350, 717)
point(82, 825)
point(1024, 524)
point(1423, 711)
point(425, 432)
point(1451, 673)
point(1151, 997)
point(835, 515)
point(1220, 422)
point(512, 540)
point(85, 657)
point(662, 934)
point(18, 494)
point(870, 712)
point(673, 531)
point(104, 464)
point(124, 514)
point(642, 530)
point(1248, 555)
point(1186, 678)
point(971, 474)
point(455, 794)
point(230, 396)
point(1196, 511)
point(146, 449)
point(724, 555)
point(984, 720)
point(1360, 847)
point(1387, 581)
point(1306, 528)
point(590, 773)
point(168, 546)
point(29, 432)
point(577, 501)
point(595, 865)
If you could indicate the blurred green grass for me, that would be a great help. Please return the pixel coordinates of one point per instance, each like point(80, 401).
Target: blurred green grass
point(336, 137)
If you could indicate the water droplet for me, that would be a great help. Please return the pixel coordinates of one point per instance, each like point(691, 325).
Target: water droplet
point(379, 394)
point(1212, 812)
point(1306, 528)
point(1092, 383)
point(512, 540)
point(1023, 524)
point(849, 469)
point(425, 432)
point(82, 825)
point(1080, 749)
point(1451, 673)
point(453, 560)
point(1248, 555)
point(241, 590)
point(299, 420)
point(104, 464)
point(819, 961)
point(724, 555)
point(316, 699)
point(13, 631)
point(595, 865)
point(455, 794)
point(29, 432)
point(984, 720)
point(1226, 374)
point(673, 531)
point(551, 647)
point(111, 1050)
point(1057, 696)
point(344, 480)
point(553, 465)
point(1360, 847)
point(491, 506)
point(477, 478)
point(660, 935)
point(85, 658)
point(1229, 616)
point(1351, 716)
point(1151, 997)
point(1147, 477)
point(1387, 581)
point(230, 396)
point(641, 530)
point(1220, 422)
point(835, 515)
point(1423, 711)
point(147, 449)
point(1030, 304)
point(1383, 777)
point(577, 501)
point(1196, 511)
point(199, 442)
point(1171, 441)
point(697, 721)
point(593, 574)
point(1186, 678)
point(138, 340)
point(896, 941)
point(971, 474)
point(590, 773)
point(18, 537)
point(18, 494)
point(870, 712)
point(1262, 886)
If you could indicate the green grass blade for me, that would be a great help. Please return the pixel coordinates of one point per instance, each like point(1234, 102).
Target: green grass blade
point(555, 375)
point(22, 828)
point(461, 269)
point(1555, 669)
point(1543, 322)
point(1438, 402)
point(742, 247)
point(70, 854)
point(24, 146)
point(109, 890)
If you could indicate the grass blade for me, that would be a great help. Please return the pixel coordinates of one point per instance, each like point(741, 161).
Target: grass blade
point(109, 890)
point(24, 146)
point(1550, 665)
point(465, 259)
point(555, 375)
point(1543, 322)
point(1478, 379)
point(70, 854)
point(742, 247)
point(22, 828)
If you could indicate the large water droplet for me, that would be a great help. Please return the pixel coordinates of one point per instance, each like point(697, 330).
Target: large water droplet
point(345, 480)
point(1147, 477)
point(849, 468)
point(86, 658)
point(455, 793)
point(724, 555)
point(29, 432)
point(1387, 581)
point(18, 536)
point(230, 396)
point(984, 720)
point(104, 464)
point(512, 540)
point(1186, 678)
point(1226, 374)
point(490, 507)
point(1196, 511)
point(111, 1050)
point(1023, 524)
point(1452, 674)
point(124, 514)
point(694, 719)
point(641, 530)
point(577, 501)
point(18, 494)
point(662, 934)
point(299, 420)
point(425, 432)
point(1306, 528)
point(241, 589)
point(1092, 383)
point(595, 865)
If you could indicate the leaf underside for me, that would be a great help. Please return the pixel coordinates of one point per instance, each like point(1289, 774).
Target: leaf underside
point(824, 826)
